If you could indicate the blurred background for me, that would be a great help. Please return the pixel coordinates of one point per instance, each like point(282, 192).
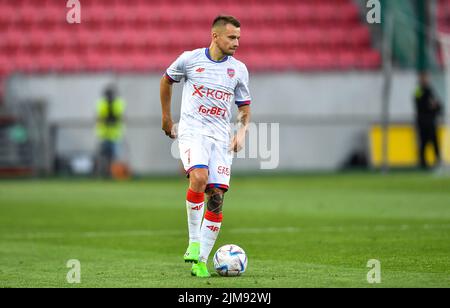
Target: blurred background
point(341, 88)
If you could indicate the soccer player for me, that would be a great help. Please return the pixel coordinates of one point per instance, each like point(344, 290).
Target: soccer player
point(214, 81)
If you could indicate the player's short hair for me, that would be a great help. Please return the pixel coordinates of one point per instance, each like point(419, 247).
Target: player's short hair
point(223, 20)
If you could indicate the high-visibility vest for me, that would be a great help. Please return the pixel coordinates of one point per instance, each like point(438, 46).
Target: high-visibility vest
point(110, 119)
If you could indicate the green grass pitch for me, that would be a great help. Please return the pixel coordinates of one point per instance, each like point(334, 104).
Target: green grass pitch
point(298, 231)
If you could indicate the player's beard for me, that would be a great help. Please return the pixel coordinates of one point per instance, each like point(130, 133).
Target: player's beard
point(229, 52)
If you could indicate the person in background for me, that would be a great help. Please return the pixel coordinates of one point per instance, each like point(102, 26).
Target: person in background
point(110, 128)
point(428, 109)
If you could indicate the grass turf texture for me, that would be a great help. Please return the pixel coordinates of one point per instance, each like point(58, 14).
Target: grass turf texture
point(298, 231)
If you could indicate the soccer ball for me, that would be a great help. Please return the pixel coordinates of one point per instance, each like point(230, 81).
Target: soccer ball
point(230, 260)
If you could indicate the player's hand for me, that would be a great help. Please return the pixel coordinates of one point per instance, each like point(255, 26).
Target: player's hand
point(237, 143)
point(168, 128)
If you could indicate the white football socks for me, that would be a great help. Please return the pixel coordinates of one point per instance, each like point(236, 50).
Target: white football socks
point(195, 204)
point(209, 232)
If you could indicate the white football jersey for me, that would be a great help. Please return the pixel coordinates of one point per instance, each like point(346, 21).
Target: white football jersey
point(210, 89)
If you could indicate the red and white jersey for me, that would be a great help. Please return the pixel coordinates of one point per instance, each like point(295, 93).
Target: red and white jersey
point(210, 89)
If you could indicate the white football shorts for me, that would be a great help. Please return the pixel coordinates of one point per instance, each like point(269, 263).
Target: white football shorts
point(206, 152)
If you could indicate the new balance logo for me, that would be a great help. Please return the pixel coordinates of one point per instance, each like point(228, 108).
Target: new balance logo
point(213, 228)
point(200, 70)
point(197, 208)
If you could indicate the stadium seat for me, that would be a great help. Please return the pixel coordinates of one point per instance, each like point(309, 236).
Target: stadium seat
point(347, 60)
point(370, 60)
point(25, 63)
point(48, 62)
point(146, 35)
point(6, 66)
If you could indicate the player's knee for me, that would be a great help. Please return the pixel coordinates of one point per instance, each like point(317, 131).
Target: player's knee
point(215, 201)
point(199, 179)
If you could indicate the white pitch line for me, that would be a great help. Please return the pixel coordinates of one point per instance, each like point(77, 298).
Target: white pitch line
point(94, 234)
point(265, 230)
point(152, 233)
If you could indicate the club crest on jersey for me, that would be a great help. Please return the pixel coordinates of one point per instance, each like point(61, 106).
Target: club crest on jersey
point(200, 70)
point(231, 72)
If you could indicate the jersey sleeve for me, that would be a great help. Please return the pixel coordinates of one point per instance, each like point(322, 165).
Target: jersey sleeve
point(177, 70)
point(242, 91)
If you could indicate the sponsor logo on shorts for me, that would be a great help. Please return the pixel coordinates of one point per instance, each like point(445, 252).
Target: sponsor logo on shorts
point(223, 170)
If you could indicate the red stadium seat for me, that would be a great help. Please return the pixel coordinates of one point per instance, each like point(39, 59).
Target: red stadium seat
point(143, 35)
point(370, 60)
point(258, 62)
point(96, 61)
point(326, 60)
point(303, 61)
point(141, 62)
point(304, 13)
point(6, 66)
point(278, 61)
point(348, 14)
point(8, 15)
point(13, 39)
point(46, 61)
point(337, 38)
point(25, 63)
point(347, 60)
point(326, 13)
point(360, 37)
